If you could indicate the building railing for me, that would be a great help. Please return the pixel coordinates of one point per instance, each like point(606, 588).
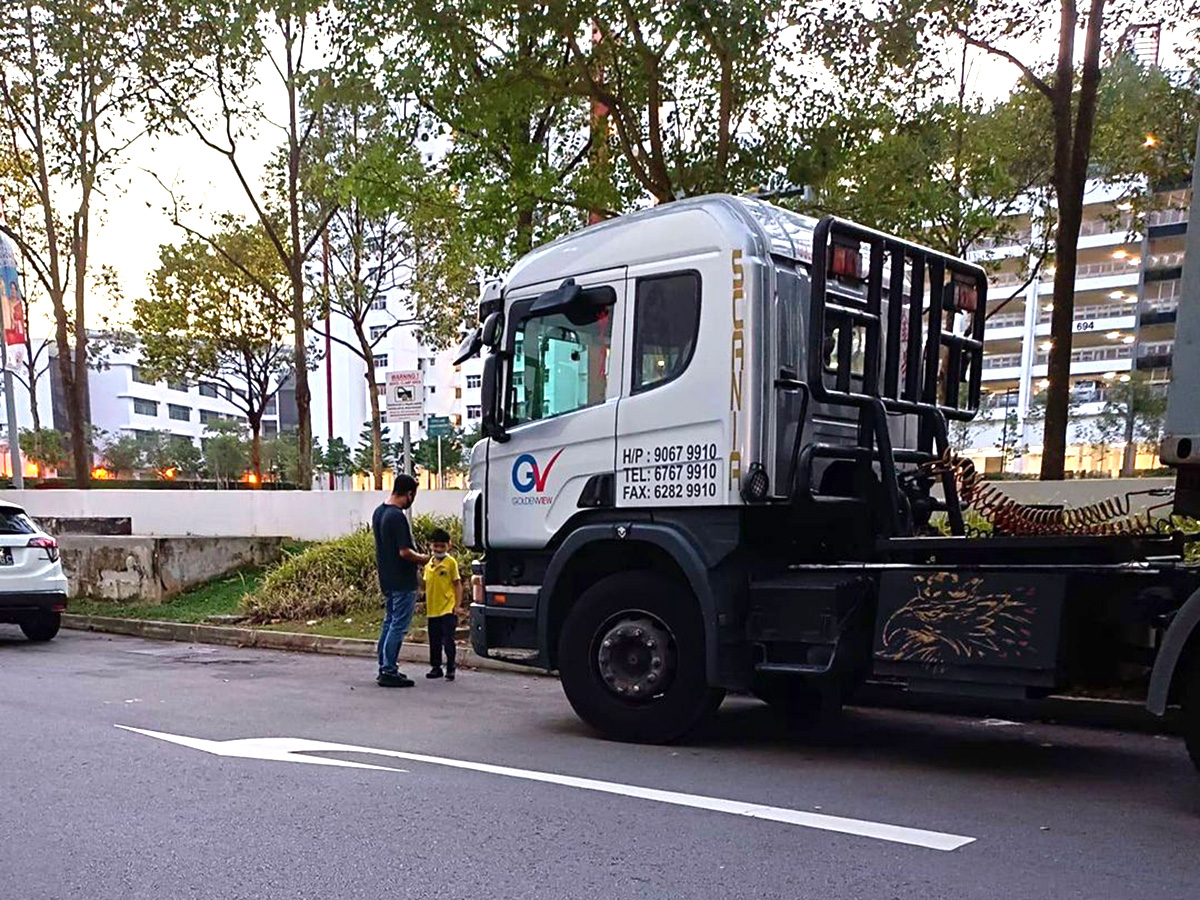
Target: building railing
point(1165, 260)
point(1086, 313)
point(1166, 216)
point(1091, 354)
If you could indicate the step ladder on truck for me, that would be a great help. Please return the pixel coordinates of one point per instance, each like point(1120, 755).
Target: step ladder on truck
point(716, 458)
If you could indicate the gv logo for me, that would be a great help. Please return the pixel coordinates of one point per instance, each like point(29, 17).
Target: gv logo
point(531, 478)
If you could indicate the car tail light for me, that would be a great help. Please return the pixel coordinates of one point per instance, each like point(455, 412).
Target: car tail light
point(845, 261)
point(49, 544)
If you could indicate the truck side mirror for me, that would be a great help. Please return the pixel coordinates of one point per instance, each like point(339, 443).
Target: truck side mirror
point(492, 330)
point(491, 403)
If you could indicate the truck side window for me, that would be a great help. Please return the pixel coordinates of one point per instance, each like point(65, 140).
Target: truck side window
point(560, 364)
point(666, 322)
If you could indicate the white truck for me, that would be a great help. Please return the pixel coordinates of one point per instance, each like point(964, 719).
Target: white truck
point(713, 433)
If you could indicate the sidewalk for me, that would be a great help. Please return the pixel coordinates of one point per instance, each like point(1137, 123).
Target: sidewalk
point(1124, 715)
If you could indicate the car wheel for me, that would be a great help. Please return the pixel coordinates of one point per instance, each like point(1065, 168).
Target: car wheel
point(42, 627)
point(631, 659)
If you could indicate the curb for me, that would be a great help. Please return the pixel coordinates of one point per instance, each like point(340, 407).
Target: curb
point(1123, 715)
point(238, 636)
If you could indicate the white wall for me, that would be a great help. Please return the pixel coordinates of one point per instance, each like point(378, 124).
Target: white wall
point(307, 515)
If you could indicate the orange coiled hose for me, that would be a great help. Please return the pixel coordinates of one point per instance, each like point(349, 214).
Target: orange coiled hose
point(1111, 516)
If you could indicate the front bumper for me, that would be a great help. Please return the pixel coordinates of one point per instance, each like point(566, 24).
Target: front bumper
point(17, 605)
point(507, 634)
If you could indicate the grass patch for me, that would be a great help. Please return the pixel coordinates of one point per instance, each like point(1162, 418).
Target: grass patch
point(223, 596)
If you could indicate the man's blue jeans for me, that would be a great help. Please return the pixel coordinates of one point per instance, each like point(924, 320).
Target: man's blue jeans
point(398, 611)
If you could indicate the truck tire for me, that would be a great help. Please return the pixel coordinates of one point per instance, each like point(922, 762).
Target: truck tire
point(1191, 713)
point(42, 627)
point(631, 659)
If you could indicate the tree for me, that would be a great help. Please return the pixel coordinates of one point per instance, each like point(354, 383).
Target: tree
point(364, 452)
point(701, 97)
point(337, 460)
point(1070, 91)
point(495, 76)
point(122, 455)
point(199, 51)
point(1133, 415)
point(171, 455)
point(226, 452)
point(425, 454)
point(45, 448)
point(368, 248)
point(216, 313)
point(282, 457)
point(65, 87)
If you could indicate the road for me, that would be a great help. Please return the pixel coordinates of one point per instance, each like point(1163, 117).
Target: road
point(94, 811)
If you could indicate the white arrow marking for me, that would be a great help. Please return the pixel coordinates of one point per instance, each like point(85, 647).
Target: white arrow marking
point(285, 749)
point(277, 749)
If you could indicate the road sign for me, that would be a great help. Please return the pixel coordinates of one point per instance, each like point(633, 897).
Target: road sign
point(405, 396)
point(439, 426)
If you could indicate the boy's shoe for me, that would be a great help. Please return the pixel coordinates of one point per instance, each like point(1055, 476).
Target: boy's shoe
point(449, 674)
point(393, 679)
point(435, 672)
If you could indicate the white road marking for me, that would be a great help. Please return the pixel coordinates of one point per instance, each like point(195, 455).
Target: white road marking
point(285, 750)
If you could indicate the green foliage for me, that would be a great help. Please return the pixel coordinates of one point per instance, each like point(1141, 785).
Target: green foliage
point(363, 461)
point(281, 457)
point(338, 577)
point(425, 453)
point(226, 451)
point(1133, 409)
point(165, 453)
point(46, 448)
point(122, 455)
point(336, 459)
point(216, 313)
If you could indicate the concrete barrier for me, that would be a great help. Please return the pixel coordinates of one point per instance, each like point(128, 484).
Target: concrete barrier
point(154, 569)
point(306, 515)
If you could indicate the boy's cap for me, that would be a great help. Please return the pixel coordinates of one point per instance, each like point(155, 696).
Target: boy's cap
point(439, 536)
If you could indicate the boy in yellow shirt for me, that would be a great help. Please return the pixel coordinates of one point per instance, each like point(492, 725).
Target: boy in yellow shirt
point(443, 597)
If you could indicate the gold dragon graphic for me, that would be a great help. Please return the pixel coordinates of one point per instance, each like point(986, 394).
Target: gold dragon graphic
point(951, 620)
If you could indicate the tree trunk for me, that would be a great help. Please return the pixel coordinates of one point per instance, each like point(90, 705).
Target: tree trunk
point(376, 430)
point(1129, 458)
point(1062, 321)
point(303, 394)
point(256, 449)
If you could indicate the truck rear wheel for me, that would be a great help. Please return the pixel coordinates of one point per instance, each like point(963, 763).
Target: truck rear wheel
point(631, 659)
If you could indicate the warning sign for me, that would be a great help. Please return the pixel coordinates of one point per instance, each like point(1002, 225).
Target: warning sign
point(405, 396)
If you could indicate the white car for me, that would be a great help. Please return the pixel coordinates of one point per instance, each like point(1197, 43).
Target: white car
point(33, 588)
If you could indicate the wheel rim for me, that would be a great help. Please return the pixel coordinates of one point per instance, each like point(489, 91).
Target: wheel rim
point(635, 656)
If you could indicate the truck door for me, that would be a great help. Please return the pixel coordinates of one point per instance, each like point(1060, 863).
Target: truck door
point(560, 389)
point(673, 446)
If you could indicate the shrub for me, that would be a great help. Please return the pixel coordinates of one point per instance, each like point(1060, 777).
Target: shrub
point(336, 577)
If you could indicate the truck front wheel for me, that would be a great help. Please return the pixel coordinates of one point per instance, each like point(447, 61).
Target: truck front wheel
point(631, 659)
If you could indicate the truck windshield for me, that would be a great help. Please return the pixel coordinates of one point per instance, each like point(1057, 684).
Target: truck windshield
point(560, 364)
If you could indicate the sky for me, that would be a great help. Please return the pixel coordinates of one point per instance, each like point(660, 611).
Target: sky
point(133, 222)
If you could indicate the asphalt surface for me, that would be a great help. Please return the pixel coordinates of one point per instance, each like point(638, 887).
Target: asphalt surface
point(92, 811)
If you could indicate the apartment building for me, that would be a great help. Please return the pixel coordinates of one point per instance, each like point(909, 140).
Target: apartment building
point(125, 400)
point(450, 391)
point(1127, 291)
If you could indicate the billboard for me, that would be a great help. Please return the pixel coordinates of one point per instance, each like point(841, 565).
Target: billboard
point(405, 396)
point(12, 306)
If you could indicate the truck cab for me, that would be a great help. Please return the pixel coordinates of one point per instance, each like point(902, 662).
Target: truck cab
point(715, 444)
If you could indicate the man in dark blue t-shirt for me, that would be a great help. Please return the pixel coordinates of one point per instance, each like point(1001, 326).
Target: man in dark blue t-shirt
point(397, 560)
